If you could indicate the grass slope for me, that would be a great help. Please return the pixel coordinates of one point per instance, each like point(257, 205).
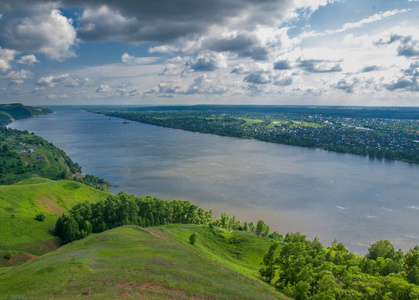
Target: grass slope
point(130, 262)
point(21, 202)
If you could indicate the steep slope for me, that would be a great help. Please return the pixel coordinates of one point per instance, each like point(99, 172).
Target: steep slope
point(130, 262)
point(22, 202)
point(23, 155)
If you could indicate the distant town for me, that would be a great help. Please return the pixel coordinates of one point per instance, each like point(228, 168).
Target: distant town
point(380, 133)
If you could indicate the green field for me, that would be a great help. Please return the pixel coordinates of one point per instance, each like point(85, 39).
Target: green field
point(22, 202)
point(130, 262)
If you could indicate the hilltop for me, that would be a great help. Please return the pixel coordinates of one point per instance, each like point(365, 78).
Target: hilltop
point(153, 263)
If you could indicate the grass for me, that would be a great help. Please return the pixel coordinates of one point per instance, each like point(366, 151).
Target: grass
point(250, 121)
point(239, 250)
point(22, 202)
point(293, 124)
point(130, 263)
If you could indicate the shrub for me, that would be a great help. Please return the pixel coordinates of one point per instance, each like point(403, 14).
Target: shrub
point(8, 255)
point(192, 239)
point(41, 217)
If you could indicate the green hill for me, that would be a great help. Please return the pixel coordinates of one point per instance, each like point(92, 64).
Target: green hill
point(22, 202)
point(16, 111)
point(24, 155)
point(130, 262)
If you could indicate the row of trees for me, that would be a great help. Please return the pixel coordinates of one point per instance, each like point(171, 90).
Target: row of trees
point(306, 270)
point(260, 228)
point(124, 209)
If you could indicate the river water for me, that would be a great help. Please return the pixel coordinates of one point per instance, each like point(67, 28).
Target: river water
point(353, 199)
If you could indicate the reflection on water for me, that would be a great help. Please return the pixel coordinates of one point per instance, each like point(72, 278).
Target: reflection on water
point(353, 199)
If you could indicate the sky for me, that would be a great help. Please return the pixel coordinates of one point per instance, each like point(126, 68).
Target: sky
point(187, 52)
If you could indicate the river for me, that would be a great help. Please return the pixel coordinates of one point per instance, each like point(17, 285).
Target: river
point(353, 199)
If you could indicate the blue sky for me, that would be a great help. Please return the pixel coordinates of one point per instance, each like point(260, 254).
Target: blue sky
point(281, 52)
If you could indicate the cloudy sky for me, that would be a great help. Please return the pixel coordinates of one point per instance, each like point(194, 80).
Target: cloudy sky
point(334, 52)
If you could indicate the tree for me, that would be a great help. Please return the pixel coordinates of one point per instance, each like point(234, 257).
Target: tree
point(67, 229)
point(260, 227)
point(268, 272)
point(381, 248)
point(192, 238)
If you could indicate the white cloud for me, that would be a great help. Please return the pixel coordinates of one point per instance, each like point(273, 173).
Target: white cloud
point(163, 49)
point(18, 77)
point(28, 60)
point(6, 56)
point(66, 80)
point(128, 59)
point(104, 89)
point(40, 29)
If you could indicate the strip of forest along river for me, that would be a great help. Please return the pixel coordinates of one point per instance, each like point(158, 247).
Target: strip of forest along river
point(355, 200)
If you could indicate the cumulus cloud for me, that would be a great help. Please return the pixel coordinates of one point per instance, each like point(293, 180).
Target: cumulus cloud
point(168, 20)
point(208, 62)
point(104, 89)
point(18, 77)
point(319, 65)
point(282, 65)
point(6, 56)
point(28, 60)
point(243, 44)
point(202, 85)
point(66, 80)
point(407, 45)
point(407, 81)
point(257, 78)
point(123, 90)
point(410, 84)
point(39, 28)
point(368, 69)
point(284, 81)
point(346, 84)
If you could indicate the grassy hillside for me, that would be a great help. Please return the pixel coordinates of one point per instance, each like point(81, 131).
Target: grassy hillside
point(134, 263)
point(22, 202)
point(23, 155)
point(15, 111)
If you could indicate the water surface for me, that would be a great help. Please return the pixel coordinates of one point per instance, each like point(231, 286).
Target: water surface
point(354, 199)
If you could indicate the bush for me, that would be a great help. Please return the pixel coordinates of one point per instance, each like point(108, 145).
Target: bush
point(192, 239)
point(8, 255)
point(41, 217)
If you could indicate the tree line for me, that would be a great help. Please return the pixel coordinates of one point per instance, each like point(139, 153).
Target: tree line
point(123, 209)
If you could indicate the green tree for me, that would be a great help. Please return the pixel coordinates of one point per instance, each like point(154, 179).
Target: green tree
point(192, 238)
point(260, 227)
point(269, 260)
point(381, 248)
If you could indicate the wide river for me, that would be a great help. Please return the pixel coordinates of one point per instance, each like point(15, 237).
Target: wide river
point(354, 199)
